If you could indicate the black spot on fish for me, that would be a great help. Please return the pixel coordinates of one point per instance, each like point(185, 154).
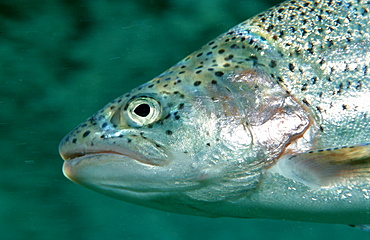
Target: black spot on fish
point(181, 106)
point(272, 64)
point(304, 87)
point(340, 88)
point(229, 57)
point(169, 132)
point(142, 135)
point(321, 128)
point(86, 134)
point(305, 102)
point(364, 69)
point(219, 74)
point(92, 121)
point(314, 80)
point(197, 83)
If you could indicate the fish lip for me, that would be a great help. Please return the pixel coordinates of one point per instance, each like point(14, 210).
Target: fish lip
point(69, 156)
point(86, 154)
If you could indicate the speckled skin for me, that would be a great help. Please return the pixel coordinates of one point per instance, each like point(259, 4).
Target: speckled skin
point(235, 129)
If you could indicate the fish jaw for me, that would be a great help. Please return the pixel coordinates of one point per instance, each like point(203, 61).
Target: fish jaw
point(113, 172)
point(100, 157)
point(129, 176)
point(90, 169)
point(127, 179)
point(89, 140)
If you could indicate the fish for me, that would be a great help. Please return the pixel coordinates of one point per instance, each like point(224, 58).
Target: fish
point(268, 120)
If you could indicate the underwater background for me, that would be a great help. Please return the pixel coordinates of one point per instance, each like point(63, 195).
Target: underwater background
point(61, 61)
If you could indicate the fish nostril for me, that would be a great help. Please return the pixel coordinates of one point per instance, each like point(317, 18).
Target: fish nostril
point(116, 117)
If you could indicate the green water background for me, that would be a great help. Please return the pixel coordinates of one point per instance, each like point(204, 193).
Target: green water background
point(61, 61)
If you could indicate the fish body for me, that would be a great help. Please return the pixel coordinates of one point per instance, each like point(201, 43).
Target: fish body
point(269, 120)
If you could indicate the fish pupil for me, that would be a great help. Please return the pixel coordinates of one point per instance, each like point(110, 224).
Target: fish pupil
point(142, 110)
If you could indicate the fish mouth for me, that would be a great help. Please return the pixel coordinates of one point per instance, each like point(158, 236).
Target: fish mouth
point(92, 167)
point(69, 156)
point(79, 155)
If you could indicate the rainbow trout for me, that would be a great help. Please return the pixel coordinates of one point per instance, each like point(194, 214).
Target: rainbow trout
point(269, 120)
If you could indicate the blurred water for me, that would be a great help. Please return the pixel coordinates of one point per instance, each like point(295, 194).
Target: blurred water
point(63, 60)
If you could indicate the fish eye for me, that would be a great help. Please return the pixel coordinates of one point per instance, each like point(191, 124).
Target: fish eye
point(142, 111)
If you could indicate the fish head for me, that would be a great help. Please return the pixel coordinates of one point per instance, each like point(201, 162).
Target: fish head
point(190, 135)
point(162, 139)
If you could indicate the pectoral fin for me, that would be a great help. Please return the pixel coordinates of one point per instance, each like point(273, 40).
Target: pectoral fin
point(327, 167)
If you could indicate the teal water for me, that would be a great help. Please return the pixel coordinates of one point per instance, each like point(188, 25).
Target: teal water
point(63, 60)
